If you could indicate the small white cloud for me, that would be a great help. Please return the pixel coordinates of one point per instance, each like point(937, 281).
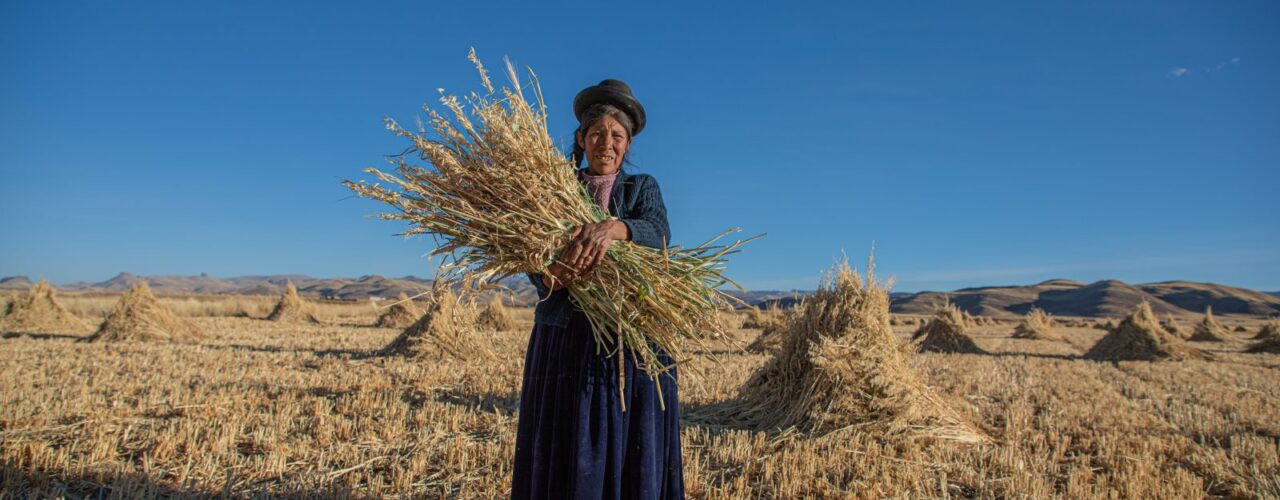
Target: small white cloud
point(1179, 72)
point(1235, 60)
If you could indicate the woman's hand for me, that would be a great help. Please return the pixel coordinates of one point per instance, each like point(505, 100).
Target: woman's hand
point(589, 243)
point(557, 276)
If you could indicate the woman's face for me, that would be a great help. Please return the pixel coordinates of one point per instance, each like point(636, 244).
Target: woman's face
point(605, 142)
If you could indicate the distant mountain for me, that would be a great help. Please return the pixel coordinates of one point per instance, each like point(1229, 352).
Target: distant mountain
point(1062, 297)
point(15, 283)
point(1108, 298)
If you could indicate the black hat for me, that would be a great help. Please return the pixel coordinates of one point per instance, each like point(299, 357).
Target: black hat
point(613, 92)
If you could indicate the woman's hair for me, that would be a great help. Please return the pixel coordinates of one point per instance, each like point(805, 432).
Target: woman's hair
point(592, 115)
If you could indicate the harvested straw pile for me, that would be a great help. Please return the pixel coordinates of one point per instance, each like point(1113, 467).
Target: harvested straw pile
point(1210, 330)
point(291, 308)
point(1171, 325)
point(401, 314)
point(1268, 338)
point(841, 368)
point(1036, 325)
point(1140, 337)
point(503, 199)
point(446, 329)
point(138, 316)
point(775, 332)
point(38, 311)
point(765, 319)
point(1269, 329)
point(495, 317)
point(946, 333)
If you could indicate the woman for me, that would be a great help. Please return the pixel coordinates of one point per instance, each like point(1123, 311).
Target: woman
point(575, 440)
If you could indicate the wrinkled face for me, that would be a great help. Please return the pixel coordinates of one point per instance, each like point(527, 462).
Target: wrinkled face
point(605, 142)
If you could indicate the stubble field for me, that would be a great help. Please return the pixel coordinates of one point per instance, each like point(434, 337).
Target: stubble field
point(258, 408)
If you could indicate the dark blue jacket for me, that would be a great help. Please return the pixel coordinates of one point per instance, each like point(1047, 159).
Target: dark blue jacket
point(637, 202)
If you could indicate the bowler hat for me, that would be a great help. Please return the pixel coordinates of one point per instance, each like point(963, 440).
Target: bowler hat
point(613, 92)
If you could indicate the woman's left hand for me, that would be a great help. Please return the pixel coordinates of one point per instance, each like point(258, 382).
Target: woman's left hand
point(590, 242)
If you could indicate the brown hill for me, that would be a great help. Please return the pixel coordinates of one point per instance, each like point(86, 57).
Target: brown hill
point(15, 283)
point(1223, 299)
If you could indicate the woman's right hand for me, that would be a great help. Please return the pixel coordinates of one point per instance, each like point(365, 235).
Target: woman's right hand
point(558, 276)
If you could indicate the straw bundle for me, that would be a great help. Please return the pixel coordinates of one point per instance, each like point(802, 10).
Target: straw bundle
point(446, 329)
point(778, 325)
point(502, 200)
point(291, 308)
point(1171, 325)
point(841, 368)
point(495, 317)
point(1036, 325)
point(140, 316)
point(401, 314)
point(945, 332)
point(765, 319)
point(38, 311)
point(1269, 329)
point(1268, 338)
point(1140, 337)
point(1209, 329)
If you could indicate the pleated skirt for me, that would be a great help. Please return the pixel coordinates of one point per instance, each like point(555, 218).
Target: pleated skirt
point(574, 440)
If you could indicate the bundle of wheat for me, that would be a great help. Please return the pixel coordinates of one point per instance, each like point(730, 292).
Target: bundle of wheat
point(503, 200)
point(1269, 329)
point(1209, 329)
point(401, 314)
point(291, 308)
point(494, 317)
point(140, 316)
point(946, 332)
point(1170, 324)
point(1140, 337)
point(1268, 338)
point(38, 311)
point(446, 329)
point(840, 368)
point(771, 338)
point(1036, 325)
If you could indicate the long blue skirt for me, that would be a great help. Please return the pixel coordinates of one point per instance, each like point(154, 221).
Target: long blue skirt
point(574, 440)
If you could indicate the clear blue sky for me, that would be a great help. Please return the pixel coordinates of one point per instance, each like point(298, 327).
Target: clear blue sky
point(973, 143)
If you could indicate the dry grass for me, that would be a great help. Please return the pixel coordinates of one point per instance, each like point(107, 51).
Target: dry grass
point(840, 369)
point(445, 331)
point(291, 308)
point(401, 314)
point(1140, 337)
point(1268, 338)
point(1036, 325)
point(140, 317)
point(946, 332)
point(1171, 325)
point(39, 311)
point(1210, 330)
point(495, 317)
point(303, 410)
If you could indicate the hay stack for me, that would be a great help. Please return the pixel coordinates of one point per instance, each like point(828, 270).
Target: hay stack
point(946, 333)
point(1036, 325)
point(1268, 338)
point(1170, 325)
point(495, 317)
point(400, 315)
point(763, 319)
point(840, 367)
point(1269, 329)
point(1210, 330)
point(775, 331)
point(38, 311)
point(139, 316)
point(445, 330)
point(291, 308)
point(1140, 337)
